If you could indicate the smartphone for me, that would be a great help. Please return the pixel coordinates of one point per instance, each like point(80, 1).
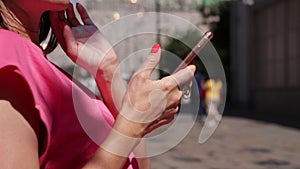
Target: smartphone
point(199, 46)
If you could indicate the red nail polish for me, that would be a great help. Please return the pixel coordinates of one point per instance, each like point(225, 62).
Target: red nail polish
point(155, 48)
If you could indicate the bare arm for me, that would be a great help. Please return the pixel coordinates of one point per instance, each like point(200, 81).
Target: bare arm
point(19, 145)
point(147, 105)
point(18, 142)
point(99, 59)
point(88, 48)
point(140, 114)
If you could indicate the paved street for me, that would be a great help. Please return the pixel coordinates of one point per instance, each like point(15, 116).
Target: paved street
point(237, 144)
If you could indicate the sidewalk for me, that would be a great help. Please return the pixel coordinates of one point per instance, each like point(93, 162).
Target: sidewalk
point(237, 144)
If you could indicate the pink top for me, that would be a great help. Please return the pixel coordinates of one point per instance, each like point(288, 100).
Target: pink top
point(69, 121)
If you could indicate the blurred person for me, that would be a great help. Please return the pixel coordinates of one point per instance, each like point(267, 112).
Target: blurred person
point(213, 89)
point(39, 114)
point(200, 79)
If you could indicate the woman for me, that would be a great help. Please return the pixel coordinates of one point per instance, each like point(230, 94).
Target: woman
point(42, 123)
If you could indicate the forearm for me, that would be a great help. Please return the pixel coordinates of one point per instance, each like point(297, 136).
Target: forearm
point(108, 158)
point(110, 84)
point(105, 160)
point(112, 92)
point(116, 148)
point(112, 88)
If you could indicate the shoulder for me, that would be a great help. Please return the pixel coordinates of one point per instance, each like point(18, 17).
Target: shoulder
point(12, 43)
point(16, 50)
point(9, 38)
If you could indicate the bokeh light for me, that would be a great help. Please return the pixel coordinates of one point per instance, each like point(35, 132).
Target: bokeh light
point(133, 1)
point(117, 15)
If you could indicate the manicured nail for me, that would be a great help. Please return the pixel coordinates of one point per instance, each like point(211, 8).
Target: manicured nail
point(155, 48)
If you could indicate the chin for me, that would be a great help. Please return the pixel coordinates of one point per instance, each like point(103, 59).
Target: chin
point(57, 5)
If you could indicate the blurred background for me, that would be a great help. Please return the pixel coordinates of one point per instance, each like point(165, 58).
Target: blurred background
point(258, 44)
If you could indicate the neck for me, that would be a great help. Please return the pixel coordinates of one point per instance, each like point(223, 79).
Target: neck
point(18, 20)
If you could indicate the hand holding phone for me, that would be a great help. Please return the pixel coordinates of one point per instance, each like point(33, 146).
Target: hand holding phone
point(200, 45)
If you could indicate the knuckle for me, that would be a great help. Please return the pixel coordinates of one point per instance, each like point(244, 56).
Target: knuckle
point(176, 96)
point(136, 75)
point(179, 94)
point(138, 78)
point(174, 99)
point(151, 59)
point(168, 85)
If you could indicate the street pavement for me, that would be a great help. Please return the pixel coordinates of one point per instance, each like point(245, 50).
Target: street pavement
point(237, 143)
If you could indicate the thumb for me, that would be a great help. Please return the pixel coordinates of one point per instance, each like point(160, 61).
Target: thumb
point(151, 61)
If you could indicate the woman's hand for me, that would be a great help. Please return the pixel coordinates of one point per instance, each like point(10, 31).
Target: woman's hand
point(150, 104)
point(88, 48)
point(83, 43)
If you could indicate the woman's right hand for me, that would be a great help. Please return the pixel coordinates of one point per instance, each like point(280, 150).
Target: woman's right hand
point(150, 104)
point(147, 105)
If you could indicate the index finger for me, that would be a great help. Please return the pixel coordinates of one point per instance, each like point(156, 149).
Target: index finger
point(183, 76)
point(71, 16)
point(84, 15)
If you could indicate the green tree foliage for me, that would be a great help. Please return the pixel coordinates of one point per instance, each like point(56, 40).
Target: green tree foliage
point(179, 49)
point(221, 40)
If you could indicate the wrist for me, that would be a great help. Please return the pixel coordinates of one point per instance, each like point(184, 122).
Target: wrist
point(127, 127)
point(120, 143)
point(106, 68)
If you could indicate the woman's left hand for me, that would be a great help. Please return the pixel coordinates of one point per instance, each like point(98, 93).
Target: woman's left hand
point(83, 43)
point(88, 48)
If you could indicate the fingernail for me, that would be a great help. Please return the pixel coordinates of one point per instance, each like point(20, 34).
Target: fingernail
point(155, 48)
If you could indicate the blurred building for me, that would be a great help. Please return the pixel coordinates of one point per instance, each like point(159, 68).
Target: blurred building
point(266, 54)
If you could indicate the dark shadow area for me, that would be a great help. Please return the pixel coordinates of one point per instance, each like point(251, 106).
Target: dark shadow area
point(281, 118)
